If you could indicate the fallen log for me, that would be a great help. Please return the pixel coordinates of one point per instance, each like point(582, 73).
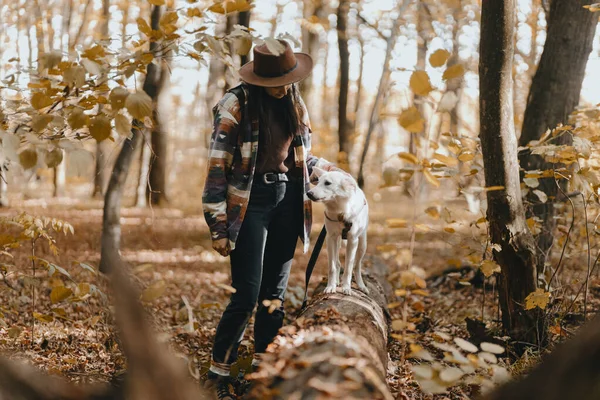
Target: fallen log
point(336, 348)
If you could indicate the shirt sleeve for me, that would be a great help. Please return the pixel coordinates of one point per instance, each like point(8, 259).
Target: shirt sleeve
point(227, 115)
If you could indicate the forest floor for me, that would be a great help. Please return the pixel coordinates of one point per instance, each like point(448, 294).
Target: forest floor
point(169, 252)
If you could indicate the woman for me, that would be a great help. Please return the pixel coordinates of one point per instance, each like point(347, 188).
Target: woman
point(255, 199)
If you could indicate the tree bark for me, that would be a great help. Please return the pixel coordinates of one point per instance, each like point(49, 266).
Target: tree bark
point(505, 212)
point(553, 96)
point(156, 190)
point(111, 227)
point(337, 347)
point(343, 131)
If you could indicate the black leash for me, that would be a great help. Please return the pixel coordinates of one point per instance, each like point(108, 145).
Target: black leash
point(311, 263)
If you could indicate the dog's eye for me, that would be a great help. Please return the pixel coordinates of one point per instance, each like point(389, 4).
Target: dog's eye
point(327, 183)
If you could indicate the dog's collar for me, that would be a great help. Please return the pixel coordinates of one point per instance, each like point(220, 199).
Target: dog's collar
point(342, 218)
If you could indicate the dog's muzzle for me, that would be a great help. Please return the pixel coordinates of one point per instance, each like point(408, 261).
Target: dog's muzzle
point(311, 196)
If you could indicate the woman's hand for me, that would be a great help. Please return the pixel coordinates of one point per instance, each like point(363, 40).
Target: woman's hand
point(222, 246)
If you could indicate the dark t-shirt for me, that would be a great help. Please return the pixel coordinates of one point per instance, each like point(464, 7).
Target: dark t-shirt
point(275, 153)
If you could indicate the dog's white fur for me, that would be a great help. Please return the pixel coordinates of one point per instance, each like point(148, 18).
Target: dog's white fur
point(341, 196)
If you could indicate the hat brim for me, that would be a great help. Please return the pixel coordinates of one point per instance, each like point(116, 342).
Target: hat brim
point(304, 68)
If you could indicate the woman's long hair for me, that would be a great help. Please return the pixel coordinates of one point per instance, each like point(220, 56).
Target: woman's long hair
point(291, 109)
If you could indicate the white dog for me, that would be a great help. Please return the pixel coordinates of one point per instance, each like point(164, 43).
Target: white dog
point(346, 217)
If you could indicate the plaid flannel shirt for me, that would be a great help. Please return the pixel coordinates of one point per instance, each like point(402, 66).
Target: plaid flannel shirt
point(232, 162)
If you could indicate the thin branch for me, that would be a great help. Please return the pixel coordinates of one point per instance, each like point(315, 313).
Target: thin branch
point(370, 25)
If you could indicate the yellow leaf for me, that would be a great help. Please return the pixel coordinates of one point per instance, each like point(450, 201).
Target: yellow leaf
point(77, 119)
point(411, 158)
point(396, 223)
point(431, 178)
point(449, 161)
point(420, 84)
point(420, 292)
point(74, 76)
point(139, 105)
point(242, 45)
point(154, 291)
point(228, 6)
point(122, 125)
point(157, 2)
point(454, 71)
point(144, 27)
point(194, 12)
point(539, 298)
point(433, 212)
point(384, 248)
point(168, 18)
point(449, 229)
point(489, 267)
point(493, 188)
point(466, 156)
point(60, 293)
point(117, 97)
point(228, 288)
point(411, 120)
point(39, 100)
point(100, 128)
point(439, 58)
point(28, 158)
point(83, 289)
point(53, 158)
point(43, 317)
point(40, 122)
point(95, 52)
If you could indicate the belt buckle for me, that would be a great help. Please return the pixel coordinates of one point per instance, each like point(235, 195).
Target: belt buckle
point(267, 181)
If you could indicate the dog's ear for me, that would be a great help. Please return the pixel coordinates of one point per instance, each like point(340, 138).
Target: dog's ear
point(349, 184)
point(316, 173)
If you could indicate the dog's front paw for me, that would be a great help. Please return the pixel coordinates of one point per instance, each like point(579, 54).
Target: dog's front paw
point(330, 289)
point(347, 290)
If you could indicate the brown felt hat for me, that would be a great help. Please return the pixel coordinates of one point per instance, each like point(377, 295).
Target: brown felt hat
point(270, 70)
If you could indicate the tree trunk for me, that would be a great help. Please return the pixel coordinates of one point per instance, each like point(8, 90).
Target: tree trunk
point(141, 200)
point(553, 96)
point(102, 148)
point(39, 31)
point(244, 20)
point(359, 85)
point(310, 41)
point(156, 190)
point(337, 347)
point(455, 85)
point(50, 28)
point(343, 131)
point(382, 88)
point(111, 227)
point(84, 18)
point(3, 189)
point(505, 212)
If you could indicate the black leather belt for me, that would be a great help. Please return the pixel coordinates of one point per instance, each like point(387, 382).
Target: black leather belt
point(272, 177)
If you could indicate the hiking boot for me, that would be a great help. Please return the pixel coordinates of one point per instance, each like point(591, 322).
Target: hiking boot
point(221, 386)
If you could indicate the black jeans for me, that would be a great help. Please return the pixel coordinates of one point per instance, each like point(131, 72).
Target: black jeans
point(260, 266)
